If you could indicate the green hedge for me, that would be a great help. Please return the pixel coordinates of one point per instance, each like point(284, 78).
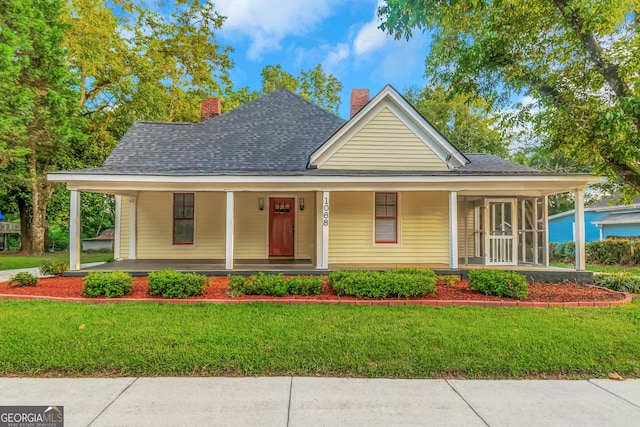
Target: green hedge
point(621, 282)
point(111, 284)
point(173, 284)
point(606, 252)
point(499, 283)
point(275, 285)
point(400, 283)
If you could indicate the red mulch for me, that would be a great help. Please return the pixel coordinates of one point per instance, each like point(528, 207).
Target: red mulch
point(71, 287)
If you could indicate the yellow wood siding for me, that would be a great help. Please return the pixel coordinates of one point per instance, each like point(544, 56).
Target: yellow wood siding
point(155, 227)
point(423, 237)
point(465, 214)
point(250, 231)
point(306, 227)
point(124, 228)
point(385, 143)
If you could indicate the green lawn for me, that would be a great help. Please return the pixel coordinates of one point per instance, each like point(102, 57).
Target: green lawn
point(55, 338)
point(12, 261)
point(603, 268)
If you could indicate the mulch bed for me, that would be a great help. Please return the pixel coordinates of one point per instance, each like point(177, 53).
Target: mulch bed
point(71, 287)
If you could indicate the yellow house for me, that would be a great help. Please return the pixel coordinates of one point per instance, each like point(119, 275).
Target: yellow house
point(279, 180)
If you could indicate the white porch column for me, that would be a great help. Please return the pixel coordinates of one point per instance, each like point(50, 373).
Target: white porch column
point(322, 238)
point(545, 223)
point(116, 231)
point(74, 231)
point(229, 232)
point(453, 229)
point(581, 252)
point(133, 225)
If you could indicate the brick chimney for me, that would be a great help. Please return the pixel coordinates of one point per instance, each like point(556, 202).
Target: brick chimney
point(359, 97)
point(210, 108)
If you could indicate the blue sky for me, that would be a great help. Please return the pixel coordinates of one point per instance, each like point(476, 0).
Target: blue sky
point(342, 35)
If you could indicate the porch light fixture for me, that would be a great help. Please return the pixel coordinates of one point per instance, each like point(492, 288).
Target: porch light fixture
point(261, 203)
point(301, 204)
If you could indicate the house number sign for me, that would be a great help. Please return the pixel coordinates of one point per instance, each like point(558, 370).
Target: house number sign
point(325, 212)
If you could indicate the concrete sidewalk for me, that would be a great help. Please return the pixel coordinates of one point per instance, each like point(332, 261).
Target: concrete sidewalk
point(303, 401)
point(8, 274)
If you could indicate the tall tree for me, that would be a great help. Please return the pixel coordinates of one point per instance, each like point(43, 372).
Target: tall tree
point(143, 61)
point(312, 84)
point(579, 58)
point(466, 125)
point(39, 128)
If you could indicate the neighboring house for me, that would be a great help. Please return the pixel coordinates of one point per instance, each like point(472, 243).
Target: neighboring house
point(101, 243)
point(279, 179)
point(601, 221)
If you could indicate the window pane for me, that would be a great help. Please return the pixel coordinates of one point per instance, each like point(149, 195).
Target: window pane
point(391, 211)
point(178, 202)
point(380, 199)
point(188, 212)
point(391, 198)
point(385, 230)
point(183, 231)
point(380, 211)
point(188, 200)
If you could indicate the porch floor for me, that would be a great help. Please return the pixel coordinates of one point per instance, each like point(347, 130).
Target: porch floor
point(216, 267)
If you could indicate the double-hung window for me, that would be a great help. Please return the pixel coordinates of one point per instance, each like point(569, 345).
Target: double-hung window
point(386, 224)
point(183, 210)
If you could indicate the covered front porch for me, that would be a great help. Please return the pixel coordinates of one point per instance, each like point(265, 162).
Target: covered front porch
point(320, 223)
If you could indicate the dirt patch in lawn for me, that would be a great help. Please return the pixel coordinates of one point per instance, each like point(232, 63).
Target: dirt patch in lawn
point(218, 289)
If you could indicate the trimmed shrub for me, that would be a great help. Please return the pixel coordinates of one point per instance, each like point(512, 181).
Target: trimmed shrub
point(275, 285)
point(23, 279)
point(110, 284)
point(53, 268)
point(621, 282)
point(400, 283)
point(562, 251)
point(174, 284)
point(305, 285)
point(447, 279)
point(499, 283)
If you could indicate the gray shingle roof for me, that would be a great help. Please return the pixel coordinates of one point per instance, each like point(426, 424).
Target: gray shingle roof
point(612, 201)
point(276, 132)
point(272, 135)
point(620, 218)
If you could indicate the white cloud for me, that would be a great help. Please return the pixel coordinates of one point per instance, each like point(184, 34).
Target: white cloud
point(335, 57)
point(370, 38)
point(266, 23)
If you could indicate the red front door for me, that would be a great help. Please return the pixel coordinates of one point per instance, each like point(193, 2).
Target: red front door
point(281, 226)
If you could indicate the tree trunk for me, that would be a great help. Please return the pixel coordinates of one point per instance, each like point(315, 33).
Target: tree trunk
point(25, 225)
point(40, 191)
